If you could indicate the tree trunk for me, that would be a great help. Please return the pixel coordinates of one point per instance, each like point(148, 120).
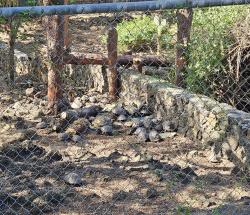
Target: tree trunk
point(112, 61)
point(55, 50)
point(184, 24)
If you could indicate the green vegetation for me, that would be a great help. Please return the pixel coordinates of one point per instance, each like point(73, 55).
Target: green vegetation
point(212, 39)
point(136, 34)
point(210, 42)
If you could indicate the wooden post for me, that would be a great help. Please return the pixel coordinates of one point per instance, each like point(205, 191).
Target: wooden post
point(112, 62)
point(184, 23)
point(55, 50)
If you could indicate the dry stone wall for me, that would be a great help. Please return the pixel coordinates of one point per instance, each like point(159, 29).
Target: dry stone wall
point(219, 125)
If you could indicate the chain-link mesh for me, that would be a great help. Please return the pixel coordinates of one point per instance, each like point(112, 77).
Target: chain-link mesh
point(125, 113)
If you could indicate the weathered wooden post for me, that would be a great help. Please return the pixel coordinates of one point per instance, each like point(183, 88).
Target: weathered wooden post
point(55, 50)
point(112, 61)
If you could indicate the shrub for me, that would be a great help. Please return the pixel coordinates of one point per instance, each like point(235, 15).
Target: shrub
point(137, 34)
point(210, 42)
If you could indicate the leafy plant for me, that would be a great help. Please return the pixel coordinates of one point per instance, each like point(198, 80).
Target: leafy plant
point(210, 41)
point(136, 34)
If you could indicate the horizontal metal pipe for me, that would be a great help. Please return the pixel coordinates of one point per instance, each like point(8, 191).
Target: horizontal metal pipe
point(114, 7)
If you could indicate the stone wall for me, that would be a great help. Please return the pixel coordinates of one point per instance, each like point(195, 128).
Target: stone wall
point(211, 123)
point(224, 128)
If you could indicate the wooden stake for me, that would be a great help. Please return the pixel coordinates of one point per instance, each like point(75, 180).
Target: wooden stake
point(112, 62)
point(55, 50)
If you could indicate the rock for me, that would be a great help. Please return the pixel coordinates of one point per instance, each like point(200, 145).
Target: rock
point(35, 114)
point(148, 122)
point(84, 98)
point(154, 136)
point(128, 124)
point(167, 135)
point(77, 103)
point(145, 112)
point(188, 171)
point(102, 120)
point(63, 136)
point(122, 118)
point(107, 130)
point(76, 138)
point(151, 193)
point(41, 125)
point(143, 135)
point(137, 122)
point(237, 171)
point(133, 111)
point(30, 91)
point(79, 126)
point(168, 126)
point(119, 196)
point(73, 179)
point(118, 110)
point(59, 125)
point(158, 127)
point(93, 99)
point(138, 130)
point(90, 111)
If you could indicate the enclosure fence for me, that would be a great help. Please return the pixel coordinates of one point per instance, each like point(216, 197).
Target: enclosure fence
point(125, 107)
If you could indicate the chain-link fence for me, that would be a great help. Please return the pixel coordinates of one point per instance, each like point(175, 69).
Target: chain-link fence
point(124, 108)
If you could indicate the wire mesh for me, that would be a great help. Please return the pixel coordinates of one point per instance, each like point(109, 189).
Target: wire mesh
point(125, 112)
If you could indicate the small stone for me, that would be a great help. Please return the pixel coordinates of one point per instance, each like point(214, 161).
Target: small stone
point(158, 127)
point(107, 130)
point(63, 136)
point(138, 130)
point(35, 114)
point(90, 111)
point(122, 118)
point(128, 124)
point(137, 122)
point(119, 196)
point(41, 125)
point(132, 110)
point(79, 126)
point(77, 103)
point(102, 120)
point(143, 135)
point(30, 91)
point(167, 135)
point(93, 99)
point(151, 193)
point(118, 110)
point(237, 171)
point(145, 112)
point(154, 136)
point(76, 138)
point(148, 122)
point(188, 171)
point(73, 179)
point(168, 126)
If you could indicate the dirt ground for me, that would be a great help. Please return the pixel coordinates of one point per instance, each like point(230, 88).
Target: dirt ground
point(119, 174)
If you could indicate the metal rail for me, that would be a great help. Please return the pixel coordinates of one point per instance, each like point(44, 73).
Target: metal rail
point(115, 7)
